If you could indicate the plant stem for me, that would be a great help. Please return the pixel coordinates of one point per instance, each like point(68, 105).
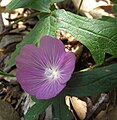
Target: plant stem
point(78, 11)
point(98, 65)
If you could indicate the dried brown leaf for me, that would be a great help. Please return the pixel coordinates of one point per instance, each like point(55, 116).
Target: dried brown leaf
point(7, 112)
point(80, 107)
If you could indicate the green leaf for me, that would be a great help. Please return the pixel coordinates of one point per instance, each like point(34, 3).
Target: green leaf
point(98, 36)
point(41, 5)
point(37, 109)
point(93, 82)
point(114, 9)
point(60, 110)
point(109, 19)
point(114, 1)
point(55, 1)
point(34, 99)
point(46, 26)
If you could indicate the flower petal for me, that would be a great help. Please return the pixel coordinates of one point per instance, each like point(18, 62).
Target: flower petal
point(49, 90)
point(52, 49)
point(30, 79)
point(67, 67)
point(29, 56)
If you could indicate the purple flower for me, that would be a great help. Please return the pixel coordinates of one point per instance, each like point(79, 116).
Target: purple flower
point(43, 72)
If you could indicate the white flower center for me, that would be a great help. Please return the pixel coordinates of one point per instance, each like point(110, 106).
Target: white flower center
point(52, 73)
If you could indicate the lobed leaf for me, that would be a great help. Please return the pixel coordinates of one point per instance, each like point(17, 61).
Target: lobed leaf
point(93, 82)
point(98, 36)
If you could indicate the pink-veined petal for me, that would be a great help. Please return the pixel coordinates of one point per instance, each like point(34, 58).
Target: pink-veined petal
point(31, 56)
point(30, 79)
point(49, 90)
point(67, 67)
point(52, 49)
